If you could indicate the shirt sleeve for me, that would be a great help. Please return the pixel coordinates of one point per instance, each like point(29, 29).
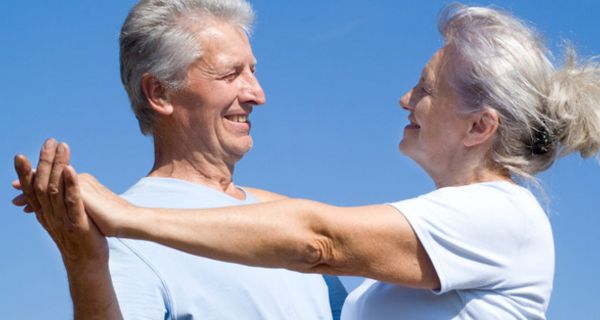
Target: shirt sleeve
point(469, 241)
point(140, 292)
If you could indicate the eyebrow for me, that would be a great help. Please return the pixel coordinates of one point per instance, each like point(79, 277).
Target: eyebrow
point(236, 65)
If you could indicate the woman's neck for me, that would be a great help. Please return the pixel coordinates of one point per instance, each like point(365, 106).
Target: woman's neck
point(468, 170)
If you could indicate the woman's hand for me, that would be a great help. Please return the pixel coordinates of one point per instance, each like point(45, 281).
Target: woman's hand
point(110, 212)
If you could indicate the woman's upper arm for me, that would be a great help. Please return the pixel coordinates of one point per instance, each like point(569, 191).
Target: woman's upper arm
point(375, 242)
point(264, 195)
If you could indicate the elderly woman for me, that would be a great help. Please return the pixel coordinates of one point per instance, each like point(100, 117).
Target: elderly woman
point(488, 113)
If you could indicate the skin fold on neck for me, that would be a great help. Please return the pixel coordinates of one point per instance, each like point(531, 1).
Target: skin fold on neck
point(176, 158)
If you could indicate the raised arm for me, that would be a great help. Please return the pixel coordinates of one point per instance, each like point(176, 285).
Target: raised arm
point(53, 193)
point(372, 241)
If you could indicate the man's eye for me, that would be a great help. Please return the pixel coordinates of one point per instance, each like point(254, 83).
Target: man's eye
point(230, 76)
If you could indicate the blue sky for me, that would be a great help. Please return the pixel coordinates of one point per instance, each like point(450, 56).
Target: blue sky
point(333, 72)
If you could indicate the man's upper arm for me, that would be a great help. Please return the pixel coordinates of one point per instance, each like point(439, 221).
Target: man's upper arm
point(140, 292)
point(264, 195)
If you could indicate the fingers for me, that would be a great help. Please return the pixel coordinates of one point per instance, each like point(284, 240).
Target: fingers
point(23, 168)
point(42, 175)
point(55, 182)
point(16, 184)
point(61, 159)
point(73, 201)
point(20, 200)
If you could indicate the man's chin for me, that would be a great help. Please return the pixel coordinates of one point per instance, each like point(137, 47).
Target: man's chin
point(240, 149)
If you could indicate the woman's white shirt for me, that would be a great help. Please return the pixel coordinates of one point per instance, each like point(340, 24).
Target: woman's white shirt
point(491, 245)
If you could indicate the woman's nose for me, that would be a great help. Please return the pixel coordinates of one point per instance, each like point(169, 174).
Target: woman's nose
point(405, 101)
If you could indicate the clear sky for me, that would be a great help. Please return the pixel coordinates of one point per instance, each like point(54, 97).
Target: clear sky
point(333, 72)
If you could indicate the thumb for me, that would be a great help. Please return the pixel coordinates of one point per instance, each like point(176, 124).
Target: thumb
point(97, 204)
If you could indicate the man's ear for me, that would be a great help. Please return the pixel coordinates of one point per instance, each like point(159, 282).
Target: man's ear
point(156, 94)
point(484, 125)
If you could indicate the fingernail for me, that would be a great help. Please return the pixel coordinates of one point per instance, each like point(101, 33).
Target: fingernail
point(60, 149)
point(49, 143)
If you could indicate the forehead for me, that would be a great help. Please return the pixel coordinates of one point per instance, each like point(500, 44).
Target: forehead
point(434, 66)
point(223, 43)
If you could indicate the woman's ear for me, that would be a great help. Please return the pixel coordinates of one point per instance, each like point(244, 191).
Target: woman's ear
point(483, 128)
point(156, 94)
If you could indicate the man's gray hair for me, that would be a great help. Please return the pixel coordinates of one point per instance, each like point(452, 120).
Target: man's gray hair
point(159, 38)
point(496, 61)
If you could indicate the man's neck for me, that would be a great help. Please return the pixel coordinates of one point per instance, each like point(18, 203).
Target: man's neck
point(195, 166)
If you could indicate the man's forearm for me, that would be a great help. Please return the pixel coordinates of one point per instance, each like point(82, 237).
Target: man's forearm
point(92, 292)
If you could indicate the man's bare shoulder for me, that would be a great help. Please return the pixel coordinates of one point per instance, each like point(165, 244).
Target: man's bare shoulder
point(264, 195)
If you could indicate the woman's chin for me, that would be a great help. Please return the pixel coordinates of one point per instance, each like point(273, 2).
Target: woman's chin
point(407, 148)
point(404, 147)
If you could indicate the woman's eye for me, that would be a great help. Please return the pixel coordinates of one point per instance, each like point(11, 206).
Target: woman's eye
point(426, 91)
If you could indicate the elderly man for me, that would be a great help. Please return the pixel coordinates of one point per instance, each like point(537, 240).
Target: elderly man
point(188, 69)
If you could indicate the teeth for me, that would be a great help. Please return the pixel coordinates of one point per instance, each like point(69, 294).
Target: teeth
point(240, 119)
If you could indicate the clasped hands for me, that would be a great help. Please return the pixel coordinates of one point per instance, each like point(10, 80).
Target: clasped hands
point(76, 211)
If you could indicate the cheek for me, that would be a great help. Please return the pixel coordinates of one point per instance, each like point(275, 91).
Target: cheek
point(437, 128)
point(449, 132)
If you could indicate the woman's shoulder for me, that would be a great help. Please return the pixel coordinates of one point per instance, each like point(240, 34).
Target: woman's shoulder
point(485, 193)
point(495, 203)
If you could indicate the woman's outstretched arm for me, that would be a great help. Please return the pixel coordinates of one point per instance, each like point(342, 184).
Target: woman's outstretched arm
point(307, 236)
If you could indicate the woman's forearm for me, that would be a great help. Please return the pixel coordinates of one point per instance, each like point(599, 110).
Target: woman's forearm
point(307, 236)
point(285, 233)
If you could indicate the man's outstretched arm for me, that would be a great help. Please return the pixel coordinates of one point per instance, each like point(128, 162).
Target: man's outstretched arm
point(52, 192)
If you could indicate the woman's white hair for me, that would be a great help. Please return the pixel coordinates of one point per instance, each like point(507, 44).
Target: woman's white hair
point(498, 62)
point(159, 38)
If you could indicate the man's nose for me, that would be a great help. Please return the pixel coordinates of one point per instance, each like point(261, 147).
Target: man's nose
point(251, 91)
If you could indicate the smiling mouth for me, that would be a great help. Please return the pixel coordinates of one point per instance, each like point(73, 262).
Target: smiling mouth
point(412, 125)
point(237, 118)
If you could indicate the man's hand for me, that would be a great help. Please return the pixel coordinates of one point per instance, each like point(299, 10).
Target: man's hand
point(53, 193)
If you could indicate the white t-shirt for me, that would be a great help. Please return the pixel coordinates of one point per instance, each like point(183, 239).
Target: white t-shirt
point(153, 281)
point(492, 247)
